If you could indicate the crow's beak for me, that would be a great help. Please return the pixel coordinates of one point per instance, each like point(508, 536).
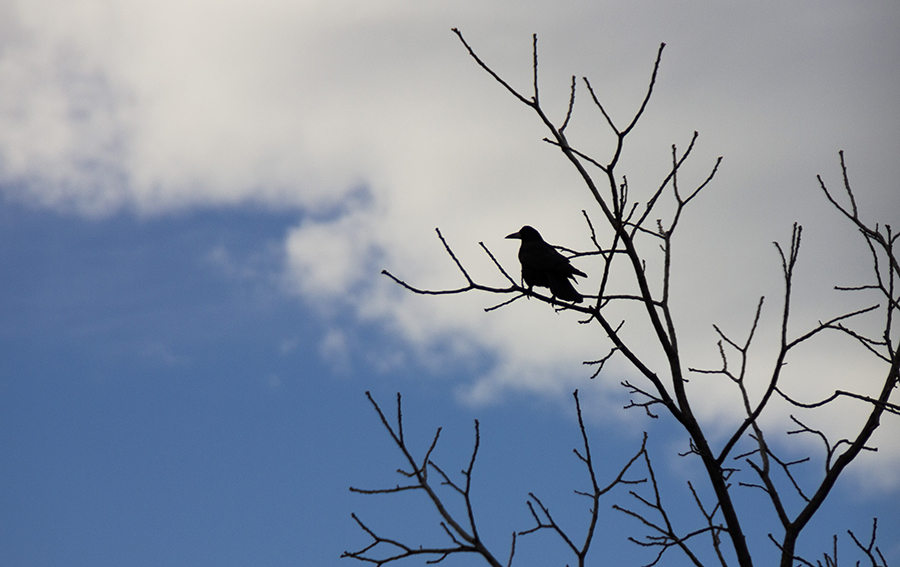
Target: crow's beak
point(515, 235)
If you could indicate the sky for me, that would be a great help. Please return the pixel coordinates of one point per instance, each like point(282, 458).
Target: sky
point(197, 199)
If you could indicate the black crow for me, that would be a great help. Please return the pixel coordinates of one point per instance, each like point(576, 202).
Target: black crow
point(543, 266)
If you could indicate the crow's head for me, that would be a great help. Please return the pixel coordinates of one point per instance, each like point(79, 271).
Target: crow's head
point(527, 234)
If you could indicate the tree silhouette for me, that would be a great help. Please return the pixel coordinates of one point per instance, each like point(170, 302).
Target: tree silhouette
point(624, 240)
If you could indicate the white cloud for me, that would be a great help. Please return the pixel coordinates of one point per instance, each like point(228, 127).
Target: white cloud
point(163, 105)
point(335, 351)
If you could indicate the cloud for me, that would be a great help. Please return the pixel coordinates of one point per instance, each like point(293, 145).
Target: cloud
point(169, 105)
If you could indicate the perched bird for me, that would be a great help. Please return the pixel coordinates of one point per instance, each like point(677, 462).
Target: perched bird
point(543, 266)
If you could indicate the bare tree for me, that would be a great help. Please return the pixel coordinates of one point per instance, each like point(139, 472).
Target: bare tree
point(661, 388)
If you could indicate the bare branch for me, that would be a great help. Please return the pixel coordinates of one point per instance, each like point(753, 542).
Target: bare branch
point(491, 72)
point(651, 399)
point(599, 363)
point(465, 539)
point(471, 283)
point(871, 550)
point(496, 263)
point(571, 105)
point(545, 520)
point(667, 537)
point(600, 106)
point(649, 91)
point(583, 156)
point(853, 215)
point(886, 406)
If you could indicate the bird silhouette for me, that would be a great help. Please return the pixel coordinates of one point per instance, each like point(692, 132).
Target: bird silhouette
point(543, 266)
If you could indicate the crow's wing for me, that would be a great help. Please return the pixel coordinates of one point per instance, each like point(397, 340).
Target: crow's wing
point(562, 288)
point(540, 256)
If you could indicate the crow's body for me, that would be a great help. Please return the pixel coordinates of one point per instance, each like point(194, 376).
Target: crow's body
point(543, 266)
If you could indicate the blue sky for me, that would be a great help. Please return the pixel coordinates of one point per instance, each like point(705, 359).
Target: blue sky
point(196, 200)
